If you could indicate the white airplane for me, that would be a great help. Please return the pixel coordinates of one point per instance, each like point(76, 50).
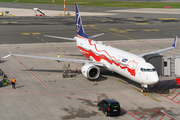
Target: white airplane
point(124, 63)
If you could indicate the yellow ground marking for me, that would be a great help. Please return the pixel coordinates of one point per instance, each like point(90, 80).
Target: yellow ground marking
point(64, 51)
point(46, 42)
point(155, 30)
point(5, 22)
point(91, 25)
point(37, 37)
point(110, 20)
point(131, 19)
point(103, 20)
point(137, 89)
point(154, 98)
point(141, 23)
point(168, 18)
point(77, 58)
point(112, 33)
point(25, 33)
point(52, 45)
point(147, 94)
point(13, 22)
point(147, 30)
point(130, 38)
point(57, 47)
point(121, 31)
point(84, 25)
point(172, 108)
point(140, 20)
point(129, 30)
point(165, 33)
point(42, 39)
point(36, 33)
point(121, 81)
point(10, 15)
point(113, 29)
point(70, 54)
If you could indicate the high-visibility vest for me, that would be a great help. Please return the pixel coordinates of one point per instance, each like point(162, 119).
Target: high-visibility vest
point(58, 56)
point(13, 80)
point(4, 79)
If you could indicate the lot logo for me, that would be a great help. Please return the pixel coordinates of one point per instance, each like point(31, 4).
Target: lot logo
point(124, 60)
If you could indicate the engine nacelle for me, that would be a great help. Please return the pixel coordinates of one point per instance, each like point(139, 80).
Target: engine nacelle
point(90, 71)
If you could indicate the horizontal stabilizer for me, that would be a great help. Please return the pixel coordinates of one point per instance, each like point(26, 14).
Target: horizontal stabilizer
point(96, 35)
point(60, 37)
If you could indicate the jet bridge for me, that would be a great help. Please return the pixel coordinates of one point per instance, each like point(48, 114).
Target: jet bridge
point(156, 60)
point(165, 66)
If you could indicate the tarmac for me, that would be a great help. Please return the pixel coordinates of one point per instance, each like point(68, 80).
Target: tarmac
point(43, 94)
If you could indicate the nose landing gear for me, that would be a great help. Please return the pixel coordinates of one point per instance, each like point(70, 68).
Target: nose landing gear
point(144, 88)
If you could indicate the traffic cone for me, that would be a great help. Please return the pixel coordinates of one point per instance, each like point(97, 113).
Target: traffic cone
point(95, 83)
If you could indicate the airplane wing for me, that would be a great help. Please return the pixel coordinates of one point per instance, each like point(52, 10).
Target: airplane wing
point(161, 50)
point(60, 59)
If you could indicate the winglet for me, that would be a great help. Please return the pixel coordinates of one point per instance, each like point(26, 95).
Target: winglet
point(175, 42)
point(79, 25)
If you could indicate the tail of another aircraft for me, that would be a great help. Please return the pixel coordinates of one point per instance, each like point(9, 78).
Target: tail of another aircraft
point(79, 25)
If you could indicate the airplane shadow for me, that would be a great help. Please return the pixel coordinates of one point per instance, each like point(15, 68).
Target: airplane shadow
point(127, 81)
point(3, 61)
point(163, 87)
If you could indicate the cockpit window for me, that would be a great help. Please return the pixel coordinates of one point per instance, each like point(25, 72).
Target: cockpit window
point(148, 70)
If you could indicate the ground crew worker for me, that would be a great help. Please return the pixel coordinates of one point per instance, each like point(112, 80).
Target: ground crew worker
point(4, 81)
point(58, 57)
point(13, 83)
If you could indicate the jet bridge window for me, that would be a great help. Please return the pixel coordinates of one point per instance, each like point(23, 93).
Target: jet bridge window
point(148, 70)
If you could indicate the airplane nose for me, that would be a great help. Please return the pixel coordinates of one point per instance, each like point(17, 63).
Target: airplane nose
point(155, 78)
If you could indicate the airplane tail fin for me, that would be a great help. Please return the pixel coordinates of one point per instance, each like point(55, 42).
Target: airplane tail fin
point(79, 25)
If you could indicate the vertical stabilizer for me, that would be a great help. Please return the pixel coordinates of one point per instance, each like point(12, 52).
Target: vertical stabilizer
point(79, 25)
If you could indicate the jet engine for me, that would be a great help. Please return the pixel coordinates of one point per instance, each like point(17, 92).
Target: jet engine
point(90, 71)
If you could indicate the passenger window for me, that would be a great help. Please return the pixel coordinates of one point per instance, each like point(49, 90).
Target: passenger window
point(142, 69)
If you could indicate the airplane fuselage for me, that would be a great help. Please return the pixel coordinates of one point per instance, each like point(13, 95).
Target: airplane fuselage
point(119, 61)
